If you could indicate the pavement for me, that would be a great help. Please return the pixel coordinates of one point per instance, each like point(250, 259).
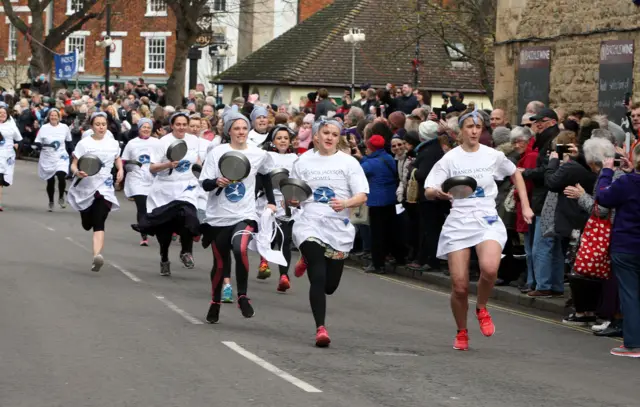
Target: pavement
point(127, 337)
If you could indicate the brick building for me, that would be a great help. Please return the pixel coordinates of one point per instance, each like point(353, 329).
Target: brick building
point(573, 31)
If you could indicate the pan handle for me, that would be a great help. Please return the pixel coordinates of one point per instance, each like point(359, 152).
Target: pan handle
point(219, 191)
point(75, 184)
point(287, 210)
point(171, 171)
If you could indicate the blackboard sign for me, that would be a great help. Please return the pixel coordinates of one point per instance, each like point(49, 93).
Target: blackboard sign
point(533, 77)
point(616, 78)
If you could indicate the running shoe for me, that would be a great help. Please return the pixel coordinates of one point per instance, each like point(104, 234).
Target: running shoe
point(187, 260)
point(322, 337)
point(628, 352)
point(62, 204)
point(227, 294)
point(174, 237)
point(582, 320)
point(50, 206)
point(486, 323)
point(601, 327)
point(213, 316)
point(98, 262)
point(244, 303)
point(301, 267)
point(462, 340)
point(1, 208)
point(284, 283)
point(144, 242)
point(165, 268)
point(264, 271)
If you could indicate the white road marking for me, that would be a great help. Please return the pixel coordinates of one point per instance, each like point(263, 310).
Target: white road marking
point(124, 271)
point(271, 368)
point(395, 354)
point(51, 229)
point(173, 307)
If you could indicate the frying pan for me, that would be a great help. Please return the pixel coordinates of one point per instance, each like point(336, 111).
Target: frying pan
point(277, 176)
point(176, 151)
point(234, 166)
point(196, 169)
point(90, 164)
point(460, 187)
point(294, 190)
point(131, 165)
point(55, 145)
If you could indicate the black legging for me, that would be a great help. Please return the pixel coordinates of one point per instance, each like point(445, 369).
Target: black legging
point(383, 221)
point(284, 242)
point(141, 207)
point(324, 276)
point(223, 242)
point(51, 185)
point(164, 240)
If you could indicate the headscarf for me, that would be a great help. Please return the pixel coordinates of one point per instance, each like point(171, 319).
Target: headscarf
point(176, 115)
point(324, 122)
point(142, 121)
point(257, 112)
point(230, 116)
point(475, 114)
point(98, 114)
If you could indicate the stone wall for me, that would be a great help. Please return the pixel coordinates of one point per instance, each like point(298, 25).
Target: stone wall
point(568, 28)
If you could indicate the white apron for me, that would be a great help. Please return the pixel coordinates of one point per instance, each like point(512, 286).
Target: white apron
point(53, 159)
point(462, 230)
point(139, 180)
point(7, 153)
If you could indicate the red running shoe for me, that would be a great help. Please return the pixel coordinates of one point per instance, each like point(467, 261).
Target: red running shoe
point(486, 323)
point(284, 283)
point(301, 267)
point(462, 340)
point(322, 337)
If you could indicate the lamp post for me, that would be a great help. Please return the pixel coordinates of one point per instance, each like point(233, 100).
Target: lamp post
point(355, 37)
point(218, 51)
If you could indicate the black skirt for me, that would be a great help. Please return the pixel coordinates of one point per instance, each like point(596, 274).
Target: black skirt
point(176, 216)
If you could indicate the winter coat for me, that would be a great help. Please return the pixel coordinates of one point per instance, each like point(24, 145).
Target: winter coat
point(380, 169)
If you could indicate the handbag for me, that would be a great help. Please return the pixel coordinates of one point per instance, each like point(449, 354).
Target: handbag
point(510, 200)
point(360, 215)
point(593, 258)
point(413, 189)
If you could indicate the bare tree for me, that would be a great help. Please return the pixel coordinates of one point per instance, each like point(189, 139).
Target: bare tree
point(41, 57)
point(13, 74)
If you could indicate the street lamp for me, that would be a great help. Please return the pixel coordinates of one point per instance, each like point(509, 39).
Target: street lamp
point(218, 51)
point(354, 37)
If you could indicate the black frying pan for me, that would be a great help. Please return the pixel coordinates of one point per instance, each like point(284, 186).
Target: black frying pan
point(234, 166)
point(131, 165)
point(90, 164)
point(277, 176)
point(177, 151)
point(460, 187)
point(294, 190)
point(196, 169)
point(55, 145)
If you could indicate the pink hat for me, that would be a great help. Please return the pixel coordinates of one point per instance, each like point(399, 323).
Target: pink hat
point(309, 118)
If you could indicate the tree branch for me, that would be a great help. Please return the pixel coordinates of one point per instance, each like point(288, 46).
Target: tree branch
point(73, 22)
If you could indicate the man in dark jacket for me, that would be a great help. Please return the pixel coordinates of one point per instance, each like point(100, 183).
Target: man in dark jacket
point(548, 258)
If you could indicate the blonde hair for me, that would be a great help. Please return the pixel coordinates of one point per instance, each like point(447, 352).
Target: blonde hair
point(565, 137)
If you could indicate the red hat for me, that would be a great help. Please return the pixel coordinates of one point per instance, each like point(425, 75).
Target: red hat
point(376, 142)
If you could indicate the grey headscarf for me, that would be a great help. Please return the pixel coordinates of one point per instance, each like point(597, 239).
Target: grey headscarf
point(257, 112)
point(323, 122)
point(230, 116)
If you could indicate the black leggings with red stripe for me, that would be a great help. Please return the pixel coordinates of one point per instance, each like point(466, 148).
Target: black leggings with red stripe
point(224, 242)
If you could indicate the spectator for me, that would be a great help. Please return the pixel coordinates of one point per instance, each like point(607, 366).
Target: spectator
point(499, 119)
point(406, 100)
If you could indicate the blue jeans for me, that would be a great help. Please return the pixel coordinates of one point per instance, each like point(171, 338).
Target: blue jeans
point(528, 249)
point(548, 261)
point(626, 267)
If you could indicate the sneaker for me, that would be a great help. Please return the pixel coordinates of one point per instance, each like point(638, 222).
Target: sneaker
point(371, 269)
point(174, 237)
point(575, 320)
point(62, 204)
point(50, 207)
point(462, 340)
point(144, 242)
point(165, 268)
point(284, 283)
point(540, 294)
point(486, 323)
point(227, 294)
point(244, 303)
point(213, 316)
point(628, 352)
point(187, 260)
point(301, 267)
point(601, 327)
point(264, 271)
point(98, 262)
point(322, 337)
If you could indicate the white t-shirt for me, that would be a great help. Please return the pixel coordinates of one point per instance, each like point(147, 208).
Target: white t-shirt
point(179, 184)
point(11, 135)
point(81, 196)
point(90, 133)
point(237, 201)
point(279, 161)
point(139, 179)
point(337, 176)
point(485, 165)
point(53, 159)
point(203, 149)
point(256, 139)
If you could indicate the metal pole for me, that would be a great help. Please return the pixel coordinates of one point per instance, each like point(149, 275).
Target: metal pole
point(107, 51)
point(217, 84)
point(353, 70)
point(415, 74)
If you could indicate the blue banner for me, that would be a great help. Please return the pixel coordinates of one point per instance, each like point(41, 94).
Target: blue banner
point(66, 65)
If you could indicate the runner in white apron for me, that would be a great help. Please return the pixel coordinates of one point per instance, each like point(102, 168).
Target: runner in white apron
point(53, 139)
point(322, 229)
point(139, 179)
point(278, 145)
point(474, 221)
point(231, 213)
point(8, 146)
point(173, 198)
point(94, 197)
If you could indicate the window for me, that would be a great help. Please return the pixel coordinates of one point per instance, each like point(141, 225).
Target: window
point(13, 43)
point(218, 5)
point(156, 8)
point(77, 42)
point(74, 6)
point(155, 55)
point(457, 56)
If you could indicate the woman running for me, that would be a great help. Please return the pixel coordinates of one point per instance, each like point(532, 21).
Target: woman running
point(231, 215)
point(474, 221)
point(9, 138)
point(139, 179)
point(54, 140)
point(322, 229)
point(94, 197)
point(173, 198)
point(279, 147)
